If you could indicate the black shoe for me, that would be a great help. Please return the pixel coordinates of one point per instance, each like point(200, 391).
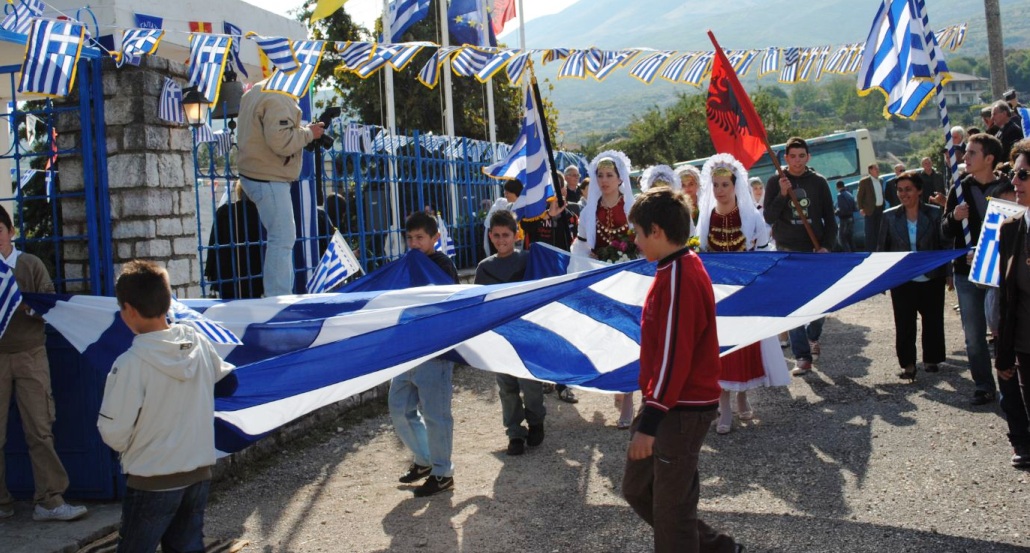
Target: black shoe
point(415, 473)
point(908, 373)
point(516, 446)
point(931, 367)
point(434, 485)
point(981, 397)
point(1021, 456)
point(548, 387)
point(567, 396)
point(536, 435)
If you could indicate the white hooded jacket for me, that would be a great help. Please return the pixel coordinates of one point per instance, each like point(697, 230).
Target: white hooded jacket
point(158, 407)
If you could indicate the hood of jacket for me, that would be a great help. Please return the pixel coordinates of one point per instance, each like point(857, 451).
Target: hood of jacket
point(170, 351)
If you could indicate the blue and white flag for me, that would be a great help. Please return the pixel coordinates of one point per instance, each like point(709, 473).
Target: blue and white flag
point(677, 68)
point(1024, 115)
point(353, 54)
point(223, 142)
point(770, 62)
point(444, 244)
point(208, 56)
point(296, 84)
point(137, 43)
point(300, 353)
point(51, 56)
point(203, 134)
point(404, 14)
point(495, 64)
point(144, 21)
point(218, 334)
point(574, 66)
point(336, 266)
point(10, 296)
point(700, 69)
point(20, 20)
point(897, 62)
point(791, 61)
point(236, 34)
point(646, 69)
point(470, 60)
point(278, 50)
point(985, 268)
point(517, 67)
point(169, 107)
point(839, 58)
point(429, 75)
point(527, 162)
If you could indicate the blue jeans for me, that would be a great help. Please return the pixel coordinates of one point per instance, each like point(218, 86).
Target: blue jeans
point(800, 336)
point(275, 208)
point(971, 302)
point(174, 519)
point(420, 407)
point(516, 408)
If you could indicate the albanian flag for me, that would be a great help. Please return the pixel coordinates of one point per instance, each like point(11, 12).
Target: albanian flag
point(732, 120)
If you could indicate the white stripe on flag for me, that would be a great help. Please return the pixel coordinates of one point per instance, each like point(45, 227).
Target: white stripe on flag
point(985, 267)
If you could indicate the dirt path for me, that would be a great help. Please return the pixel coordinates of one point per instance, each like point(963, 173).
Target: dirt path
point(845, 459)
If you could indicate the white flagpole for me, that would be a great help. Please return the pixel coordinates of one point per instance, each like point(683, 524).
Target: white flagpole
point(942, 105)
point(391, 124)
point(485, 41)
point(448, 99)
point(522, 27)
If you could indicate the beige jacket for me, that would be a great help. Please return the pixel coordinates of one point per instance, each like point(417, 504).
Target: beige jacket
point(271, 137)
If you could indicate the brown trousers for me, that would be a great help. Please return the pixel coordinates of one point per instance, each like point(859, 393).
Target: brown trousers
point(27, 374)
point(664, 489)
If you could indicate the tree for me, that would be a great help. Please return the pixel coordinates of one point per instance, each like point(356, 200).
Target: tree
point(417, 107)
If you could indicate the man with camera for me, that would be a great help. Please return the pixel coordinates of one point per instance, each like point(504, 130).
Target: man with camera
point(271, 141)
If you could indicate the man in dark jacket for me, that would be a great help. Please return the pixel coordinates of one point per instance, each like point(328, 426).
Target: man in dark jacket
point(846, 212)
point(1009, 131)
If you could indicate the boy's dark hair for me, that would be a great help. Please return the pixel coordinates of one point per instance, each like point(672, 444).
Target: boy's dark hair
point(514, 186)
point(504, 218)
point(840, 184)
point(144, 286)
point(420, 220)
point(664, 207)
point(990, 145)
point(5, 219)
point(796, 142)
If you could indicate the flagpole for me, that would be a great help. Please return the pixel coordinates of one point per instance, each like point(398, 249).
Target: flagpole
point(535, 91)
point(942, 105)
point(391, 118)
point(448, 99)
point(485, 41)
point(768, 149)
point(522, 27)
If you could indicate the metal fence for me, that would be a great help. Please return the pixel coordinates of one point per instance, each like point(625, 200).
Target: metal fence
point(367, 196)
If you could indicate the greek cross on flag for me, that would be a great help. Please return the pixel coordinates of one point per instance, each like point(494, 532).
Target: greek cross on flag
point(337, 264)
point(295, 85)
point(20, 20)
point(137, 43)
point(51, 55)
point(208, 56)
point(10, 297)
point(985, 269)
point(170, 106)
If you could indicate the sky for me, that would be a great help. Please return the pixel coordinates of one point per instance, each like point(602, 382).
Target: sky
point(365, 12)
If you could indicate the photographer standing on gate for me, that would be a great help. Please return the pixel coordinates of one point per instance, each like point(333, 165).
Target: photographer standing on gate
point(271, 139)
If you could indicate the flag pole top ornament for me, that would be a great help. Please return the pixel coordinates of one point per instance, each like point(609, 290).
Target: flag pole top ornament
point(659, 175)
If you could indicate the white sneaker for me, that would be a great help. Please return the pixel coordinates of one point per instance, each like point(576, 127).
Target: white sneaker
point(6, 512)
point(62, 512)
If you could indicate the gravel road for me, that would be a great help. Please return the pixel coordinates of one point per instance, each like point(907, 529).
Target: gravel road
point(848, 458)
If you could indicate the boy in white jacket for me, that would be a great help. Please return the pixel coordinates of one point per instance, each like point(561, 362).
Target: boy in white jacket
point(158, 413)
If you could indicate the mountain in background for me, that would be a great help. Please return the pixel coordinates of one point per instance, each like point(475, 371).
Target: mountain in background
point(587, 106)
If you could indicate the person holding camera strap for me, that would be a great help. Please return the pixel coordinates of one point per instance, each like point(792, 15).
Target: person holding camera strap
point(271, 140)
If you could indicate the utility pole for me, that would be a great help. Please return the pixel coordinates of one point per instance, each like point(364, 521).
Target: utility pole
point(995, 49)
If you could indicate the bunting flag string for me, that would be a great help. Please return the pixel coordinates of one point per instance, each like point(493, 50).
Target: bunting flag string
point(295, 85)
point(278, 50)
point(430, 73)
point(517, 68)
point(354, 53)
point(137, 43)
point(51, 55)
point(208, 56)
point(646, 69)
point(677, 68)
point(20, 20)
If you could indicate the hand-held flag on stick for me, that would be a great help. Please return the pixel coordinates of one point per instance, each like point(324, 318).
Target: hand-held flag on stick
point(337, 264)
point(736, 127)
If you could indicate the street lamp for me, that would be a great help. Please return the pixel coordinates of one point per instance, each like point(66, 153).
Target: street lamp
point(195, 106)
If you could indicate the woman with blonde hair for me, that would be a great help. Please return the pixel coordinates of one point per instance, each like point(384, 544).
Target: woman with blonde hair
point(690, 181)
point(728, 221)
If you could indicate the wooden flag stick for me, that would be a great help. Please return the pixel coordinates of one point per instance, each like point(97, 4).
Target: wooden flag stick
point(793, 198)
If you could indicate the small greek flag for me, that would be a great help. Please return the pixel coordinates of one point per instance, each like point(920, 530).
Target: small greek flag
point(791, 61)
point(646, 69)
point(397, 55)
point(237, 35)
point(612, 60)
point(985, 269)
point(517, 67)
point(495, 64)
point(223, 142)
point(555, 54)
point(958, 38)
point(218, 334)
point(527, 161)
point(856, 58)
point(748, 59)
point(699, 69)
point(444, 244)
point(278, 51)
point(574, 66)
point(20, 20)
point(808, 57)
point(51, 55)
point(170, 106)
point(839, 58)
point(771, 61)
point(336, 266)
point(430, 73)
point(208, 56)
point(676, 68)
point(10, 297)
point(353, 54)
point(296, 84)
point(404, 14)
point(469, 61)
point(137, 43)
point(204, 134)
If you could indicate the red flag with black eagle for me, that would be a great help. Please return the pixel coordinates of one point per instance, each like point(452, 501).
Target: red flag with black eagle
point(732, 120)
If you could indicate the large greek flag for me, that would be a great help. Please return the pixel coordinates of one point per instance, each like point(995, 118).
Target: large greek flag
point(897, 63)
point(404, 14)
point(527, 162)
point(300, 353)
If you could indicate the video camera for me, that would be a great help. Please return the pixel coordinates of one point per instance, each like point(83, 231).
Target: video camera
point(326, 142)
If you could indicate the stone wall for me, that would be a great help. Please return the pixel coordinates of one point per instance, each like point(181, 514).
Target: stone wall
point(149, 172)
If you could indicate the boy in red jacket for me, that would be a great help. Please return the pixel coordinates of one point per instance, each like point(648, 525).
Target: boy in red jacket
point(679, 379)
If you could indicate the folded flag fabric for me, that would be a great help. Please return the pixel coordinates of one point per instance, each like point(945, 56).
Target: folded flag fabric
point(278, 50)
point(236, 34)
point(300, 353)
point(51, 56)
point(20, 20)
point(985, 268)
point(296, 84)
point(180, 313)
point(10, 296)
point(208, 56)
point(137, 43)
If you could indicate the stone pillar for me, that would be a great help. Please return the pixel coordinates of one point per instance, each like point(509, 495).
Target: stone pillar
point(150, 177)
